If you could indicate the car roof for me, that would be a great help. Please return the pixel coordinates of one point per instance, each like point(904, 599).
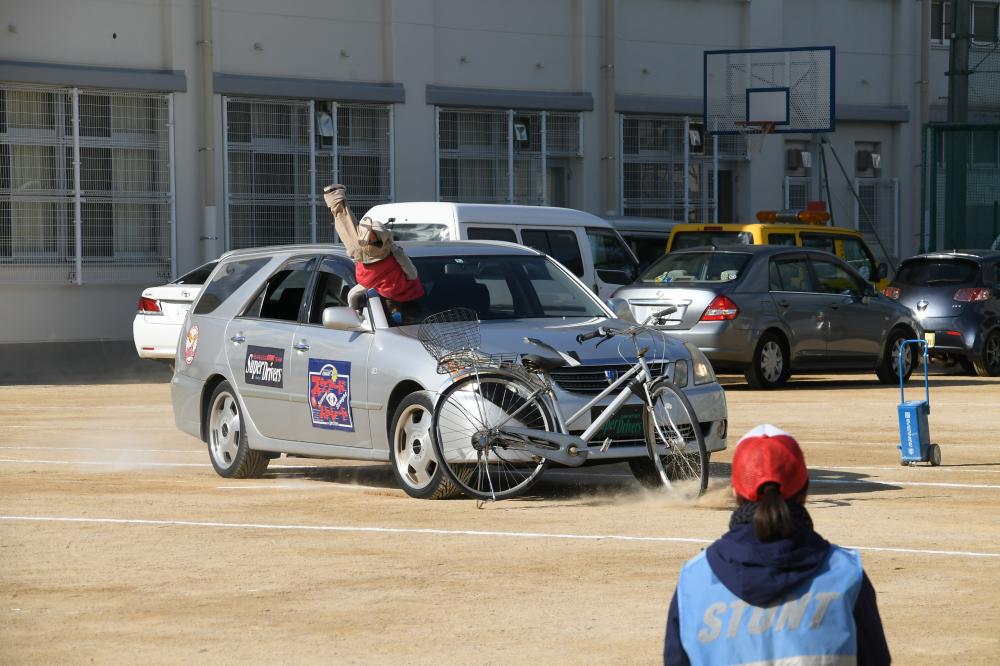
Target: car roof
point(413, 249)
point(958, 254)
point(471, 213)
point(642, 224)
point(749, 249)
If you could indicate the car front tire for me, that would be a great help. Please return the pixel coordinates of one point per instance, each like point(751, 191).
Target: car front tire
point(228, 449)
point(412, 452)
point(988, 364)
point(769, 368)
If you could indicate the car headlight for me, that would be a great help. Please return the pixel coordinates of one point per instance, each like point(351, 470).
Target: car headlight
point(680, 378)
point(702, 368)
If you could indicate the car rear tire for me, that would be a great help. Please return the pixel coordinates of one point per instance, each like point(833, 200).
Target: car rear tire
point(412, 451)
point(988, 365)
point(769, 368)
point(228, 448)
point(888, 369)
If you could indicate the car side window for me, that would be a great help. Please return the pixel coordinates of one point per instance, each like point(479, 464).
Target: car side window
point(559, 244)
point(825, 242)
point(781, 239)
point(831, 278)
point(790, 275)
point(281, 296)
point(333, 281)
point(491, 233)
point(230, 277)
point(612, 260)
point(857, 255)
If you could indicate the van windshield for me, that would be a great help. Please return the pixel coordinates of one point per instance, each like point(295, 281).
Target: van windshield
point(420, 232)
point(687, 239)
point(687, 267)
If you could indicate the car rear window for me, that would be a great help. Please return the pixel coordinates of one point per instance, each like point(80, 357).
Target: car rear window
point(231, 277)
point(689, 267)
point(930, 272)
point(687, 239)
point(198, 275)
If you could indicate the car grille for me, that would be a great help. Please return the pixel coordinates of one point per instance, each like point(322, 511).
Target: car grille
point(592, 378)
point(685, 428)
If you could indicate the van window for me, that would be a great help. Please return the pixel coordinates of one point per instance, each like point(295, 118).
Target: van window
point(420, 232)
point(231, 277)
point(612, 260)
point(559, 244)
point(781, 239)
point(825, 242)
point(858, 256)
point(491, 233)
point(281, 296)
point(688, 239)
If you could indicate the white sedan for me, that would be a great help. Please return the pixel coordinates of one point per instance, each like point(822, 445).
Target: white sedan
point(160, 313)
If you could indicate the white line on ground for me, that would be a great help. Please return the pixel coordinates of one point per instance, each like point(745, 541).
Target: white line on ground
point(443, 532)
point(134, 463)
point(877, 480)
point(937, 470)
point(94, 448)
point(300, 486)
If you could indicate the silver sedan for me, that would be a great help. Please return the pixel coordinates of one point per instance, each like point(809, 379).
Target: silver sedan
point(273, 361)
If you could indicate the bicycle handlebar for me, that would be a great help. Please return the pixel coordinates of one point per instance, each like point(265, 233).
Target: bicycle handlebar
point(604, 332)
point(599, 333)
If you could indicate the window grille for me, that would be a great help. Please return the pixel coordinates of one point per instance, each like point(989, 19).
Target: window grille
point(499, 156)
point(877, 214)
point(118, 145)
point(798, 192)
point(655, 179)
point(275, 147)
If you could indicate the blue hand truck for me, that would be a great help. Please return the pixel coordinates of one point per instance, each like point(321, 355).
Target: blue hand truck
point(914, 433)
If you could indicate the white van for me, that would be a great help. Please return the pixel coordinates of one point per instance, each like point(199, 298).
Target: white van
point(585, 244)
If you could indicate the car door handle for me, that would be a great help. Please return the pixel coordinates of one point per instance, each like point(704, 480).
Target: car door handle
point(302, 346)
point(238, 338)
point(783, 303)
point(834, 305)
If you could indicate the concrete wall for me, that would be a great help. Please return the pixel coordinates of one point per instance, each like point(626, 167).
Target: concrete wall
point(554, 46)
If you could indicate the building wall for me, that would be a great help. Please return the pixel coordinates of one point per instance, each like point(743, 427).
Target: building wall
point(554, 46)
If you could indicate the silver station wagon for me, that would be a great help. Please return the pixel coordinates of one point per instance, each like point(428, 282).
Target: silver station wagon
point(272, 360)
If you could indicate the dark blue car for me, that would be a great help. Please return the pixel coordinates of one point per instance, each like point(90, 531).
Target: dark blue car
point(956, 296)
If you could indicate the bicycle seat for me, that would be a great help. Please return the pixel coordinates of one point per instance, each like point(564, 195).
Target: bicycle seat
point(535, 362)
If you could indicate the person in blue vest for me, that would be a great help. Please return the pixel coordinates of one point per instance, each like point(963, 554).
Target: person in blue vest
point(772, 590)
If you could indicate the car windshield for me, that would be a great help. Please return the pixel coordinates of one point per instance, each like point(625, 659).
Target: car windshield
point(688, 239)
point(696, 267)
point(931, 272)
point(420, 232)
point(496, 287)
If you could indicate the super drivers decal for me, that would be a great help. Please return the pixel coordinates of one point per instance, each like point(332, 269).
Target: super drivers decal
point(330, 394)
point(264, 366)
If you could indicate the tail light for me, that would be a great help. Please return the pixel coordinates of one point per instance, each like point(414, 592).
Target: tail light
point(720, 309)
point(972, 294)
point(892, 292)
point(149, 306)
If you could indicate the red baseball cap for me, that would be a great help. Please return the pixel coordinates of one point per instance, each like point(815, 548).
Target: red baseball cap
point(768, 455)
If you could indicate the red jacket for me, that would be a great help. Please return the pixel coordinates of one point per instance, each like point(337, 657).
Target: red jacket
point(387, 278)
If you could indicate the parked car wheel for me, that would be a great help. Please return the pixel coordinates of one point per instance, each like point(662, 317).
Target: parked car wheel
point(228, 449)
point(412, 452)
point(888, 369)
point(988, 365)
point(769, 368)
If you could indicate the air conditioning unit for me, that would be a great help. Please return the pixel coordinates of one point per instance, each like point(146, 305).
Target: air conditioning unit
point(796, 159)
point(696, 139)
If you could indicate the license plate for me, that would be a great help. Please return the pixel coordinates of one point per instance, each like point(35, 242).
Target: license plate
point(930, 338)
point(626, 424)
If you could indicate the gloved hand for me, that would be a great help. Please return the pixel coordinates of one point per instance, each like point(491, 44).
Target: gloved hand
point(334, 195)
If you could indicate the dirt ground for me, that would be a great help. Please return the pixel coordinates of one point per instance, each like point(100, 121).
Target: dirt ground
point(119, 544)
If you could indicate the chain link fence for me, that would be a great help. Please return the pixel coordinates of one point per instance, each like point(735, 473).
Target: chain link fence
point(662, 176)
point(984, 77)
point(961, 186)
point(501, 156)
point(86, 188)
point(281, 153)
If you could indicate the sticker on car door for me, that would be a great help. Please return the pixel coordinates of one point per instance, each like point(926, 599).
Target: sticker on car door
point(264, 366)
point(330, 394)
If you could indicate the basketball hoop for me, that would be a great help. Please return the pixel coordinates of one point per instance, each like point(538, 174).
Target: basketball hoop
point(754, 132)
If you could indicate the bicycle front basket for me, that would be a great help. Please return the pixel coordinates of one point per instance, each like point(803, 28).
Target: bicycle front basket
point(450, 333)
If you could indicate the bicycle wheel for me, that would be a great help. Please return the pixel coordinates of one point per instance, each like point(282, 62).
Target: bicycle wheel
point(675, 442)
point(476, 458)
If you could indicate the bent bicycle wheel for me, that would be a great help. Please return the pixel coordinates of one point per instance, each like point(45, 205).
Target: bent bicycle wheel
point(675, 442)
point(481, 462)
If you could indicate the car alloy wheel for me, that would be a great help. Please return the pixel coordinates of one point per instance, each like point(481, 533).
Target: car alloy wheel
point(907, 359)
point(414, 457)
point(989, 364)
point(228, 448)
point(772, 361)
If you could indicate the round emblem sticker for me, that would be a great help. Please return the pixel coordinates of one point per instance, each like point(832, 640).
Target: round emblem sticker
point(191, 344)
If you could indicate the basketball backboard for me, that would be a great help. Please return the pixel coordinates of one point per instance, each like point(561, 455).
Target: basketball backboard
point(792, 90)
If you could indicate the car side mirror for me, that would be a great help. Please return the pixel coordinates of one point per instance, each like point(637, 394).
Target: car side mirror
point(621, 309)
point(881, 271)
point(343, 319)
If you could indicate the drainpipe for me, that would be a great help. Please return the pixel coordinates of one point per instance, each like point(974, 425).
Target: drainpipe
point(207, 149)
point(611, 148)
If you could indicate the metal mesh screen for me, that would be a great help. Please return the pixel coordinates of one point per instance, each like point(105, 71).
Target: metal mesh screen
point(653, 170)
point(798, 191)
point(281, 153)
point(499, 156)
point(877, 213)
point(984, 76)
point(122, 158)
point(962, 186)
point(805, 73)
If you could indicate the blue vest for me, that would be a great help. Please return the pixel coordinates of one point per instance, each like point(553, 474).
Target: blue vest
point(812, 624)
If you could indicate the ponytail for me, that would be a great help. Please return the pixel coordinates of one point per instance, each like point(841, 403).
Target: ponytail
point(772, 520)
